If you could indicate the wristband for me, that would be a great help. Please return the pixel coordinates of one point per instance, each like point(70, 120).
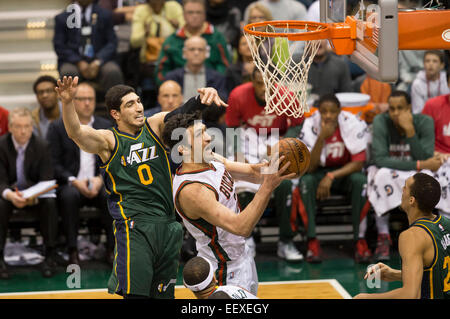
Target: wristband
point(418, 165)
point(330, 175)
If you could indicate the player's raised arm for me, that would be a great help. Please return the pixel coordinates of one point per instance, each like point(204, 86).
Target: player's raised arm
point(93, 141)
point(411, 247)
point(200, 202)
point(206, 97)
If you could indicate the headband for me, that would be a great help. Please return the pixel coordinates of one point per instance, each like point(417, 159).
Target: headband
point(202, 285)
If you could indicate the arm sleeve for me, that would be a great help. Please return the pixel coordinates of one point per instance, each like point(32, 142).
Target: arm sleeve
point(191, 106)
point(56, 154)
point(46, 168)
point(137, 36)
point(164, 63)
point(417, 100)
point(422, 143)
point(223, 60)
point(65, 52)
point(3, 172)
point(108, 52)
point(233, 114)
point(380, 148)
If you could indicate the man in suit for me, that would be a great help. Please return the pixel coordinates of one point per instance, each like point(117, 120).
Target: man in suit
point(195, 74)
point(77, 173)
point(25, 161)
point(87, 51)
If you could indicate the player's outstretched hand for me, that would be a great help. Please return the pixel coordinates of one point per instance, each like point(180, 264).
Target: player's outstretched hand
point(66, 88)
point(385, 272)
point(274, 176)
point(209, 96)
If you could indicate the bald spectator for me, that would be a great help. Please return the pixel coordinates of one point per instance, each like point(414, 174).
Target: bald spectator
point(329, 73)
point(49, 108)
point(171, 56)
point(170, 97)
point(3, 121)
point(195, 74)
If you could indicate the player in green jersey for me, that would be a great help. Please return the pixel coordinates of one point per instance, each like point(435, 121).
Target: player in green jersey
point(138, 181)
point(424, 247)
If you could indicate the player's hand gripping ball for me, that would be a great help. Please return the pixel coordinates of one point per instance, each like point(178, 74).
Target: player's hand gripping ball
point(294, 151)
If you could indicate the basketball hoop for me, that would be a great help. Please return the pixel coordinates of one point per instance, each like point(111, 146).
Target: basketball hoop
point(284, 66)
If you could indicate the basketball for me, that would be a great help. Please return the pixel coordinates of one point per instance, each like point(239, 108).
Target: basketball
point(296, 152)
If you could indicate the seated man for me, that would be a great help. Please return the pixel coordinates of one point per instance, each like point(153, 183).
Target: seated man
point(246, 111)
point(198, 276)
point(78, 174)
point(49, 108)
point(25, 161)
point(171, 55)
point(429, 82)
point(337, 141)
point(195, 74)
point(170, 97)
point(329, 73)
point(87, 51)
point(402, 144)
point(438, 108)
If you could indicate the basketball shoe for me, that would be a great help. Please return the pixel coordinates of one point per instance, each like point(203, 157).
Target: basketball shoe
point(362, 252)
point(313, 255)
point(382, 253)
point(289, 252)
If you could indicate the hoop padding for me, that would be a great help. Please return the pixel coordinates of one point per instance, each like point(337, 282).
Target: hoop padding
point(284, 65)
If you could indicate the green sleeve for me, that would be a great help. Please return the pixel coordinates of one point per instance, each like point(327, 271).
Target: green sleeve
point(380, 147)
point(164, 62)
point(223, 60)
point(422, 143)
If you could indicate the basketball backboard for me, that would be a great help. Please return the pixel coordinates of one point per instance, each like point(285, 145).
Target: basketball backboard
point(376, 49)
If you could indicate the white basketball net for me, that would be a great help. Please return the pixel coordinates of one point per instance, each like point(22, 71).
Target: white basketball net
point(284, 66)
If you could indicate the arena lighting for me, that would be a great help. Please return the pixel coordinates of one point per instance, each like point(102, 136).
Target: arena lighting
point(36, 24)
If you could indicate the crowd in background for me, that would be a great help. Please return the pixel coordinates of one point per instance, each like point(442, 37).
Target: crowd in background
point(169, 49)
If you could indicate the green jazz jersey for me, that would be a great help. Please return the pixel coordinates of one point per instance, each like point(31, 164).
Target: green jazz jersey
point(436, 278)
point(137, 177)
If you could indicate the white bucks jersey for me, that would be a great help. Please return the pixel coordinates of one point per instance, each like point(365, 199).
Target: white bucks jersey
point(236, 292)
point(212, 242)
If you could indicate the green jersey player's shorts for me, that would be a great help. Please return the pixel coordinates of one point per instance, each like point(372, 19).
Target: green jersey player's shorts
point(146, 258)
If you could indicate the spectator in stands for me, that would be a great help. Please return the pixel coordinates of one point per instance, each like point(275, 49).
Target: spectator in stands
point(313, 13)
point(25, 161)
point(156, 18)
point(337, 141)
point(402, 143)
point(195, 74)
point(77, 173)
point(438, 108)
point(240, 72)
point(430, 82)
point(3, 121)
point(246, 109)
point(410, 62)
point(152, 23)
point(170, 97)
point(329, 73)
point(171, 56)
point(49, 108)
point(88, 51)
point(283, 9)
point(226, 19)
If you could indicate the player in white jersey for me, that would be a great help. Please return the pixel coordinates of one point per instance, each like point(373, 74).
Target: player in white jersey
point(205, 198)
point(198, 276)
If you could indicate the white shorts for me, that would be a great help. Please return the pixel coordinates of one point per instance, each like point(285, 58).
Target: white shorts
point(242, 272)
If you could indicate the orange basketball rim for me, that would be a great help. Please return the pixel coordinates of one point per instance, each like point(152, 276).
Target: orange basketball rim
point(412, 25)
